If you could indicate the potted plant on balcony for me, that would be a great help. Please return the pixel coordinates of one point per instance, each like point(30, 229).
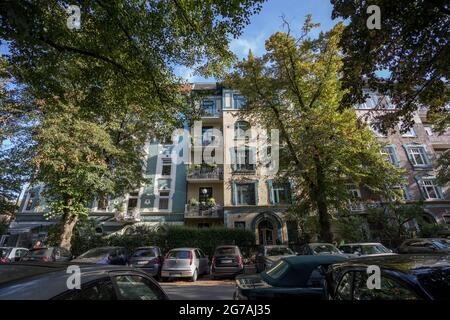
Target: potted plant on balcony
point(211, 202)
point(193, 202)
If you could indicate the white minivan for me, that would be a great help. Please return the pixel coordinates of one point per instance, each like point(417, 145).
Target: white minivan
point(184, 263)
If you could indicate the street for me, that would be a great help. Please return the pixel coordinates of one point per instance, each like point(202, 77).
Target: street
point(203, 289)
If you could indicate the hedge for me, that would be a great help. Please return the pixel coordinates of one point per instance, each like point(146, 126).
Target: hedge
point(171, 237)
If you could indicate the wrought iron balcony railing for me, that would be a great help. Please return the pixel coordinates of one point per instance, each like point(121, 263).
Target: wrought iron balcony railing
point(203, 211)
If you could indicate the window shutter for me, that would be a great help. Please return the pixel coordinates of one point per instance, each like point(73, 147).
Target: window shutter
point(270, 190)
point(426, 155)
point(233, 159)
point(252, 155)
point(395, 153)
point(289, 192)
point(256, 193)
point(408, 154)
point(233, 194)
point(419, 183)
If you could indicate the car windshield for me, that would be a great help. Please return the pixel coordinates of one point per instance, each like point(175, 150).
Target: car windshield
point(145, 253)
point(436, 282)
point(278, 270)
point(374, 249)
point(95, 253)
point(38, 252)
point(441, 244)
point(325, 248)
point(179, 254)
point(4, 252)
point(279, 251)
point(225, 251)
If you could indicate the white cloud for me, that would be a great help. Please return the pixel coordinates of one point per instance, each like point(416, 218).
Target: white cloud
point(242, 46)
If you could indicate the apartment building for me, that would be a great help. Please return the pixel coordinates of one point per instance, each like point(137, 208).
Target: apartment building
point(160, 201)
point(222, 180)
point(416, 151)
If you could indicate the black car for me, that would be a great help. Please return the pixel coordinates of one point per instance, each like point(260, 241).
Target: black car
point(47, 254)
point(425, 245)
point(268, 255)
point(299, 277)
point(402, 277)
point(227, 261)
point(26, 280)
point(104, 255)
point(149, 259)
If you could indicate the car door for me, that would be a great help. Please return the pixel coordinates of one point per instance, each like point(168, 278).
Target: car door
point(133, 286)
point(198, 262)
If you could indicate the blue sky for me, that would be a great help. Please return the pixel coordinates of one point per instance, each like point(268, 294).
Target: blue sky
point(269, 21)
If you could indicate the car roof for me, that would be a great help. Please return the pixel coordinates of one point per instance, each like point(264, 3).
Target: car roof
point(304, 265)
point(320, 244)
point(405, 263)
point(180, 249)
point(275, 246)
point(108, 247)
point(361, 244)
point(25, 280)
point(143, 248)
point(227, 246)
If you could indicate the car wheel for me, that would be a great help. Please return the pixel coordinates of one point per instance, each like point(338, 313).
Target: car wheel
point(194, 276)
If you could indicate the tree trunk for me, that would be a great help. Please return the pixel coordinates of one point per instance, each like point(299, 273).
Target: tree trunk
point(321, 202)
point(67, 225)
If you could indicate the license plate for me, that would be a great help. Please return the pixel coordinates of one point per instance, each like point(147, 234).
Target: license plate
point(142, 262)
point(227, 261)
point(175, 273)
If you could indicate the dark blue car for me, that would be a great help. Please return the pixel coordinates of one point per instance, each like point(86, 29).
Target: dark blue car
point(104, 255)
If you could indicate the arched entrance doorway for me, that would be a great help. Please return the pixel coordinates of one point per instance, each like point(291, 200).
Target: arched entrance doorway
point(267, 227)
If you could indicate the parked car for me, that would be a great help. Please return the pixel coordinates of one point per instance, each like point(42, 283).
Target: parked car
point(365, 249)
point(44, 281)
point(299, 277)
point(425, 245)
point(403, 277)
point(11, 254)
point(47, 254)
point(105, 255)
point(268, 255)
point(322, 248)
point(227, 261)
point(149, 259)
point(184, 263)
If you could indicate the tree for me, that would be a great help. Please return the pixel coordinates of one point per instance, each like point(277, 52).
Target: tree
point(295, 87)
point(413, 46)
point(15, 147)
point(102, 90)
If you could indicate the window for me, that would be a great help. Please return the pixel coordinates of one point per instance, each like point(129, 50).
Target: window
point(207, 135)
point(408, 133)
point(166, 167)
point(245, 194)
point(430, 190)
point(428, 130)
point(446, 218)
point(344, 289)
point(31, 201)
point(102, 202)
point(243, 159)
point(205, 193)
point(371, 100)
point(391, 154)
point(279, 193)
point(241, 224)
point(242, 130)
point(239, 101)
point(164, 184)
point(132, 287)
point(208, 107)
point(417, 155)
point(355, 194)
point(163, 200)
point(389, 289)
point(101, 290)
point(377, 131)
point(133, 201)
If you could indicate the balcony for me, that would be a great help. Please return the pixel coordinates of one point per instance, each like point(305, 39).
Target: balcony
point(205, 173)
point(440, 141)
point(363, 206)
point(202, 211)
point(132, 215)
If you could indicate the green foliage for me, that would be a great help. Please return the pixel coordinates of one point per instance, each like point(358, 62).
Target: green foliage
point(3, 227)
point(102, 91)
point(352, 228)
point(171, 237)
point(296, 88)
point(431, 230)
point(413, 45)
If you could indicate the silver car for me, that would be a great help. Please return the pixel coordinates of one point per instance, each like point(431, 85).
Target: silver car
point(184, 263)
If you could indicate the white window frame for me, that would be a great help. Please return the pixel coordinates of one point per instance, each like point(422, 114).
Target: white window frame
point(430, 182)
point(413, 150)
point(411, 133)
